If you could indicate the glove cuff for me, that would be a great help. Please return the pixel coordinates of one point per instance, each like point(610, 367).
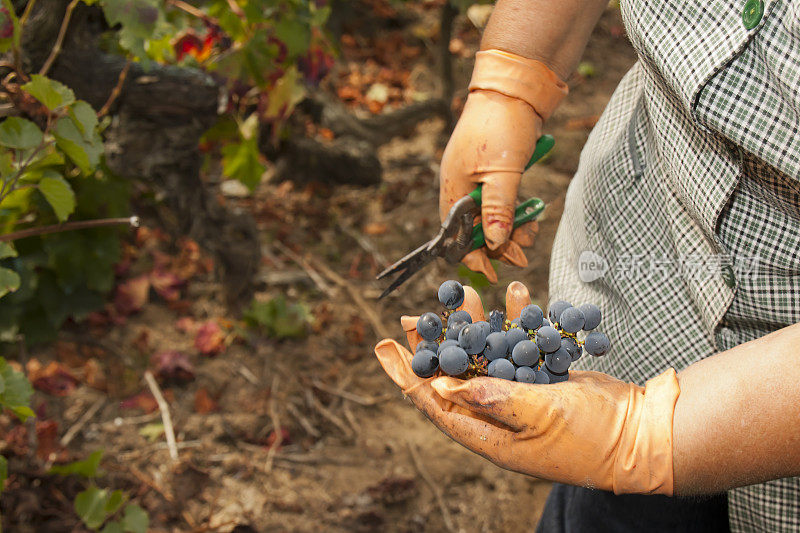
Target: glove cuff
point(518, 77)
point(643, 463)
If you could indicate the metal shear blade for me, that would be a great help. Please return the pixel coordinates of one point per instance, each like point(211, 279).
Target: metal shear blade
point(453, 242)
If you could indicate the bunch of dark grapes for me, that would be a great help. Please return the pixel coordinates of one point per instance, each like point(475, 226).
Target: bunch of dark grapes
point(530, 349)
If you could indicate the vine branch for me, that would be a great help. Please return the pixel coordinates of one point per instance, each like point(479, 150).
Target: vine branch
point(62, 32)
point(133, 221)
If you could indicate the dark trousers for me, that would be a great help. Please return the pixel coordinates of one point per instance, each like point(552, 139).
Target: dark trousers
point(577, 510)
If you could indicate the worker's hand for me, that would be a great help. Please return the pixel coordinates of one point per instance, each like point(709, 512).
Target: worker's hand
point(592, 430)
point(492, 142)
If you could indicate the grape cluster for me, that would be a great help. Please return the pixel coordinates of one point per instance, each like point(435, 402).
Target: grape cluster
point(530, 349)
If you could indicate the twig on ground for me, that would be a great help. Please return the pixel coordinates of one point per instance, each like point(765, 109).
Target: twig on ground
point(295, 412)
point(370, 312)
point(360, 400)
point(437, 493)
point(315, 277)
point(365, 243)
point(73, 431)
point(351, 419)
point(325, 412)
point(276, 426)
point(147, 480)
point(165, 416)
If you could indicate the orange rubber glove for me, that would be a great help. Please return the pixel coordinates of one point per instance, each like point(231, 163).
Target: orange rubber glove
point(492, 142)
point(592, 430)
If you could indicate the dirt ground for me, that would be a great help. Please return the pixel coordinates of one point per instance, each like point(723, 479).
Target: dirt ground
point(353, 454)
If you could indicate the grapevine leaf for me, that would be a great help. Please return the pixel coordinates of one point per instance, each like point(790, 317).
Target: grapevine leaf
point(138, 19)
point(52, 94)
point(9, 281)
point(9, 26)
point(91, 506)
point(277, 318)
point(6, 250)
point(86, 467)
point(20, 133)
point(17, 393)
point(85, 118)
point(59, 194)
point(84, 153)
point(135, 519)
point(241, 161)
point(295, 34)
point(287, 93)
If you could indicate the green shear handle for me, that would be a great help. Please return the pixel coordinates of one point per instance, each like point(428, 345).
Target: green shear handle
point(527, 210)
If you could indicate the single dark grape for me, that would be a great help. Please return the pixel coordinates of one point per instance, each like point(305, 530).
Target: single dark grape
point(572, 320)
point(531, 317)
point(451, 294)
point(453, 329)
point(473, 338)
point(525, 374)
point(597, 343)
point(424, 363)
point(453, 360)
point(592, 315)
point(501, 368)
point(496, 346)
point(548, 338)
point(513, 336)
point(525, 353)
point(445, 344)
point(572, 347)
point(427, 345)
point(556, 308)
point(558, 361)
point(542, 377)
point(553, 377)
point(459, 316)
point(485, 327)
point(515, 324)
point(496, 319)
point(429, 326)
point(546, 322)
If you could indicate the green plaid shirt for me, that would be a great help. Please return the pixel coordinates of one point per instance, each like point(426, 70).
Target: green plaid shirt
point(683, 220)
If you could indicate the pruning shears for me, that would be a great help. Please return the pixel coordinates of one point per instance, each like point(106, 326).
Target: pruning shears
point(458, 236)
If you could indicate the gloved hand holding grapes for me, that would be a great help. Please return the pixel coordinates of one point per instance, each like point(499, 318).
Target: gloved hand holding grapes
point(592, 430)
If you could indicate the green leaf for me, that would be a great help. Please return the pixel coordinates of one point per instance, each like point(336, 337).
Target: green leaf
point(3, 472)
point(6, 250)
point(20, 133)
point(9, 26)
point(59, 195)
point(86, 467)
point(85, 118)
point(139, 21)
point(112, 527)
point(9, 281)
point(135, 519)
point(84, 153)
point(115, 501)
point(241, 161)
point(277, 318)
point(153, 431)
point(91, 506)
point(17, 393)
point(51, 93)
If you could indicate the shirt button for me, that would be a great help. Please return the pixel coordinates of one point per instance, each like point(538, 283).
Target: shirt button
point(728, 277)
point(752, 13)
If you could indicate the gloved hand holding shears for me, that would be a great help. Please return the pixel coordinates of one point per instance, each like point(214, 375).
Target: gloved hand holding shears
point(510, 96)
